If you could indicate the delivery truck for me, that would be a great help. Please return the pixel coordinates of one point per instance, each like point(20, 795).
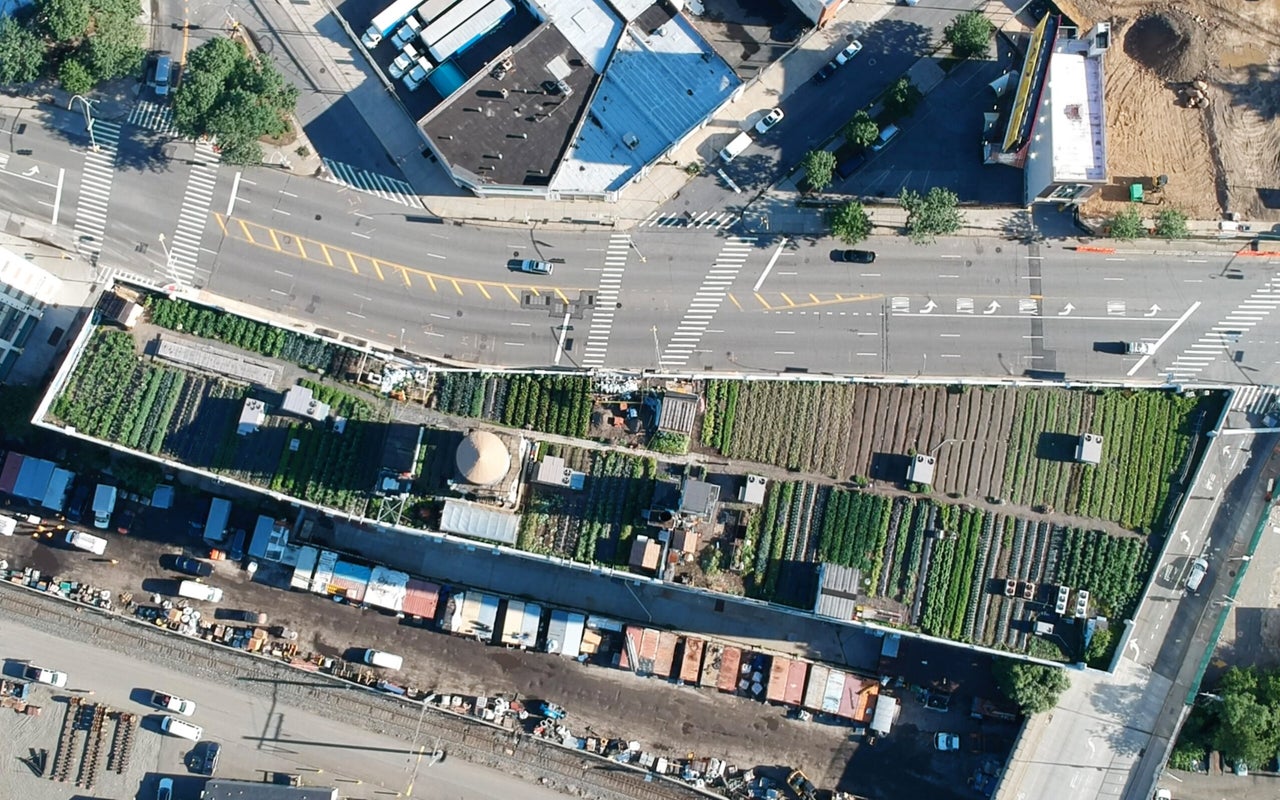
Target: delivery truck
point(104, 504)
point(386, 20)
point(199, 591)
point(87, 542)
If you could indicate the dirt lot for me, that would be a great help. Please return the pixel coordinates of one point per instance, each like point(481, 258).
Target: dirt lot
point(1225, 157)
point(666, 718)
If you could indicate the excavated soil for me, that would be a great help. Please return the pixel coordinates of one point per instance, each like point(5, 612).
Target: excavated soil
point(1225, 157)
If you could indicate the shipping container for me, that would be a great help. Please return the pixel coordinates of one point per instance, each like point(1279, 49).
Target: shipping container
point(472, 30)
point(778, 674)
point(648, 651)
point(796, 676)
point(215, 525)
point(307, 557)
point(852, 697)
point(818, 675)
point(487, 620)
point(557, 630)
point(520, 624)
point(712, 655)
point(730, 660)
point(421, 600)
point(324, 572)
point(576, 625)
point(630, 647)
point(691, 664)
point(444, 24)
point(350, 581)
point(831, 694)
point(665, 659)
point(387, 589)
point(530, 625)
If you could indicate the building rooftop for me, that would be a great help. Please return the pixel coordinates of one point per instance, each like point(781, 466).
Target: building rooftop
point(662, 82)
point(679, 410)
point(645, 553)
point(1089, 448)
point(221, 789)
point(921, 469)
point(252, 415)
point(753, 491)
point(511, 125)
point(699, 498)
point(33, 284)
point(301, 401)
point(479, 521)
point(553, 472)
point(1077, 122)
point(837, 592)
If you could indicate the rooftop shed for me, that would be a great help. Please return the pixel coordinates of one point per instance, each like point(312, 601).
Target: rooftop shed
point(753, 491)
point(837, 591)
point(646, 552)
point(1089, 449)
point(699, 498)
point(479, 521)
point(678, 411)
point(252, 414)
point(421, 599)
point(300, 401)
point(921, 469)
point(553, 472)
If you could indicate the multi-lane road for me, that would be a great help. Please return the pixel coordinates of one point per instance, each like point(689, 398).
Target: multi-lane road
point(680, 299)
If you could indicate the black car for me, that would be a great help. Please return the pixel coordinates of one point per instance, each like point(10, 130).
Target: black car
point(79, 502)
point(851, 165)
point(828, 69)
point(193, 566)
point(124, 521)
point(855, 256)
point(209, 763)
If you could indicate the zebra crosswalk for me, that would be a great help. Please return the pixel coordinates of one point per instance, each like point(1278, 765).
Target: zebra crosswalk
point(1222, 338)
point(153, 116)
point(396, 191)
point(95, 189)
point(707, 300)
point(1256, 399)
point(184, 251)
point(718, 220)
point(606, 303)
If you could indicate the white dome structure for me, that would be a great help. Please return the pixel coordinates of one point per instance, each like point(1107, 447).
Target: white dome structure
point(482, 458)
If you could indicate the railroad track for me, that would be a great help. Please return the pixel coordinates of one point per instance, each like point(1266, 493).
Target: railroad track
point(513, 752)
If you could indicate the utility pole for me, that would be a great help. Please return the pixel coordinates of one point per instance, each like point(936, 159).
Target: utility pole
point(88, 117)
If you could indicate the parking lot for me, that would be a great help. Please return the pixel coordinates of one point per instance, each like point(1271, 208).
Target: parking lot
point(665, 717)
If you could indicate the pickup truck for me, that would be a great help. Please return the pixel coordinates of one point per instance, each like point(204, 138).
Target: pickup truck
point(171, 702)
point(42, 675)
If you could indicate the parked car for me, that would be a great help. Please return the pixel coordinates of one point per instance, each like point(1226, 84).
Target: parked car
point(1194, 578)
point(849, 52)
point(529, 265)
point(46, 676)
point(946, 742)
point(208, 761)
point(124, 521)
point(164, 790)
point(251, 617)
point(171, 702)
point(828, 69)
point(851, 165)
point(193, 566)
point(79, 503)
point(1139, 348)
point(855, 256)
point(181, 728)
point(403, 62)
point(769, 120)
point(160, 78)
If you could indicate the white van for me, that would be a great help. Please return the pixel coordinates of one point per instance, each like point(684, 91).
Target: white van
point(886, 136)
point(377, 658)
point(177, 727)
point(734, 148)
point(87, 541)
point(200, 591)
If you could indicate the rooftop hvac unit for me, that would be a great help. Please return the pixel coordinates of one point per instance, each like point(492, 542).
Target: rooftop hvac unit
point(566, 476)
point(631, 140)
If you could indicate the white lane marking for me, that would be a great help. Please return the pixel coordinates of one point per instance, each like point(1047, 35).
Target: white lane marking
point(57, 197)
point(231, 201)
point(769, 267)
point(1163, 339)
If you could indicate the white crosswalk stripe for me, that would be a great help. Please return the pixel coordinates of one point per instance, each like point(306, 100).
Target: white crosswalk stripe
point(4, 160)
point(707, 300)
point(396, 191)
point(95, 189)
point(705, 219)
point(1221, 340)
point(606, 303)
point(184, 250)
point(1256, 400)
point(153, 116)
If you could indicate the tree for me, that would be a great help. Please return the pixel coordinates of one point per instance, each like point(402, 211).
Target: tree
point(1099, 650)
point(901, 98)
point(851, 223)
point(1127, 224)
point(1171, 224)
point(819, 166)
point(934, 214)
point(21, 53)
point(1246, 723)
point(74, 77)
point(1034, 687)
point(229, 94)
point(862, 130)
point(969, 35)
point(63, 20)
point(115, 48)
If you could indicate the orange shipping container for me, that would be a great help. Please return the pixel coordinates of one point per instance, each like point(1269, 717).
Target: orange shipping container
point(665, 658)
point(796, 676)
point(691, 664)
point(730, 660)
point(778, 673)
point(632, 636)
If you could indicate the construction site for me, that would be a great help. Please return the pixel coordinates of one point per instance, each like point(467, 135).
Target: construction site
point(1192, 93)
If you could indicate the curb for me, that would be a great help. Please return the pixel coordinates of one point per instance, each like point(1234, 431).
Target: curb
point(1088, 249)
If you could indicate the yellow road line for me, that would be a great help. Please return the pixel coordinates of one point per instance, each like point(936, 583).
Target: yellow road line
point(404, 274)
point(510, 293)
point(734, 300)
point(456, 287)
point(275, 240)
point(352, 261)
point(248, 236)
point(814, 297)
point(325, 251)
point(301, 249)
point(786, 299)
point(377, 269)
point(480, 286)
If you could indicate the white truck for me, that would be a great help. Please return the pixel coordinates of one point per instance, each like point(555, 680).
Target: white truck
point(734, 148)
point(87, 541)
point(200, 591)
point(386, 20)
point(104, 504)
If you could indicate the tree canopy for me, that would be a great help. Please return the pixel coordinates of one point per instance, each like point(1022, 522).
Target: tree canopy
point(233, 96)
point(1241, 719)
point(862, 130)
point(851, 223)
point(819, 167)
point(89, 41)
point(901, 98)
point(934, 214)
point(21, 53)
point(1034, 687)
point(969, 34)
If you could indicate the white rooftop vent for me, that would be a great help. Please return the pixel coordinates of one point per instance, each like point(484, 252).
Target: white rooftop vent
point(559, 68)
point(631, 140)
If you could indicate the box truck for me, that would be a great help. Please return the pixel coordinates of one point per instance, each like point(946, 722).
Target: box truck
point(387, 19)
point(87, 542)
point(104, 503)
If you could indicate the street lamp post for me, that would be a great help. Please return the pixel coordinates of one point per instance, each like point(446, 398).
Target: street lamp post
point(637, 249)
point(88, 117)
